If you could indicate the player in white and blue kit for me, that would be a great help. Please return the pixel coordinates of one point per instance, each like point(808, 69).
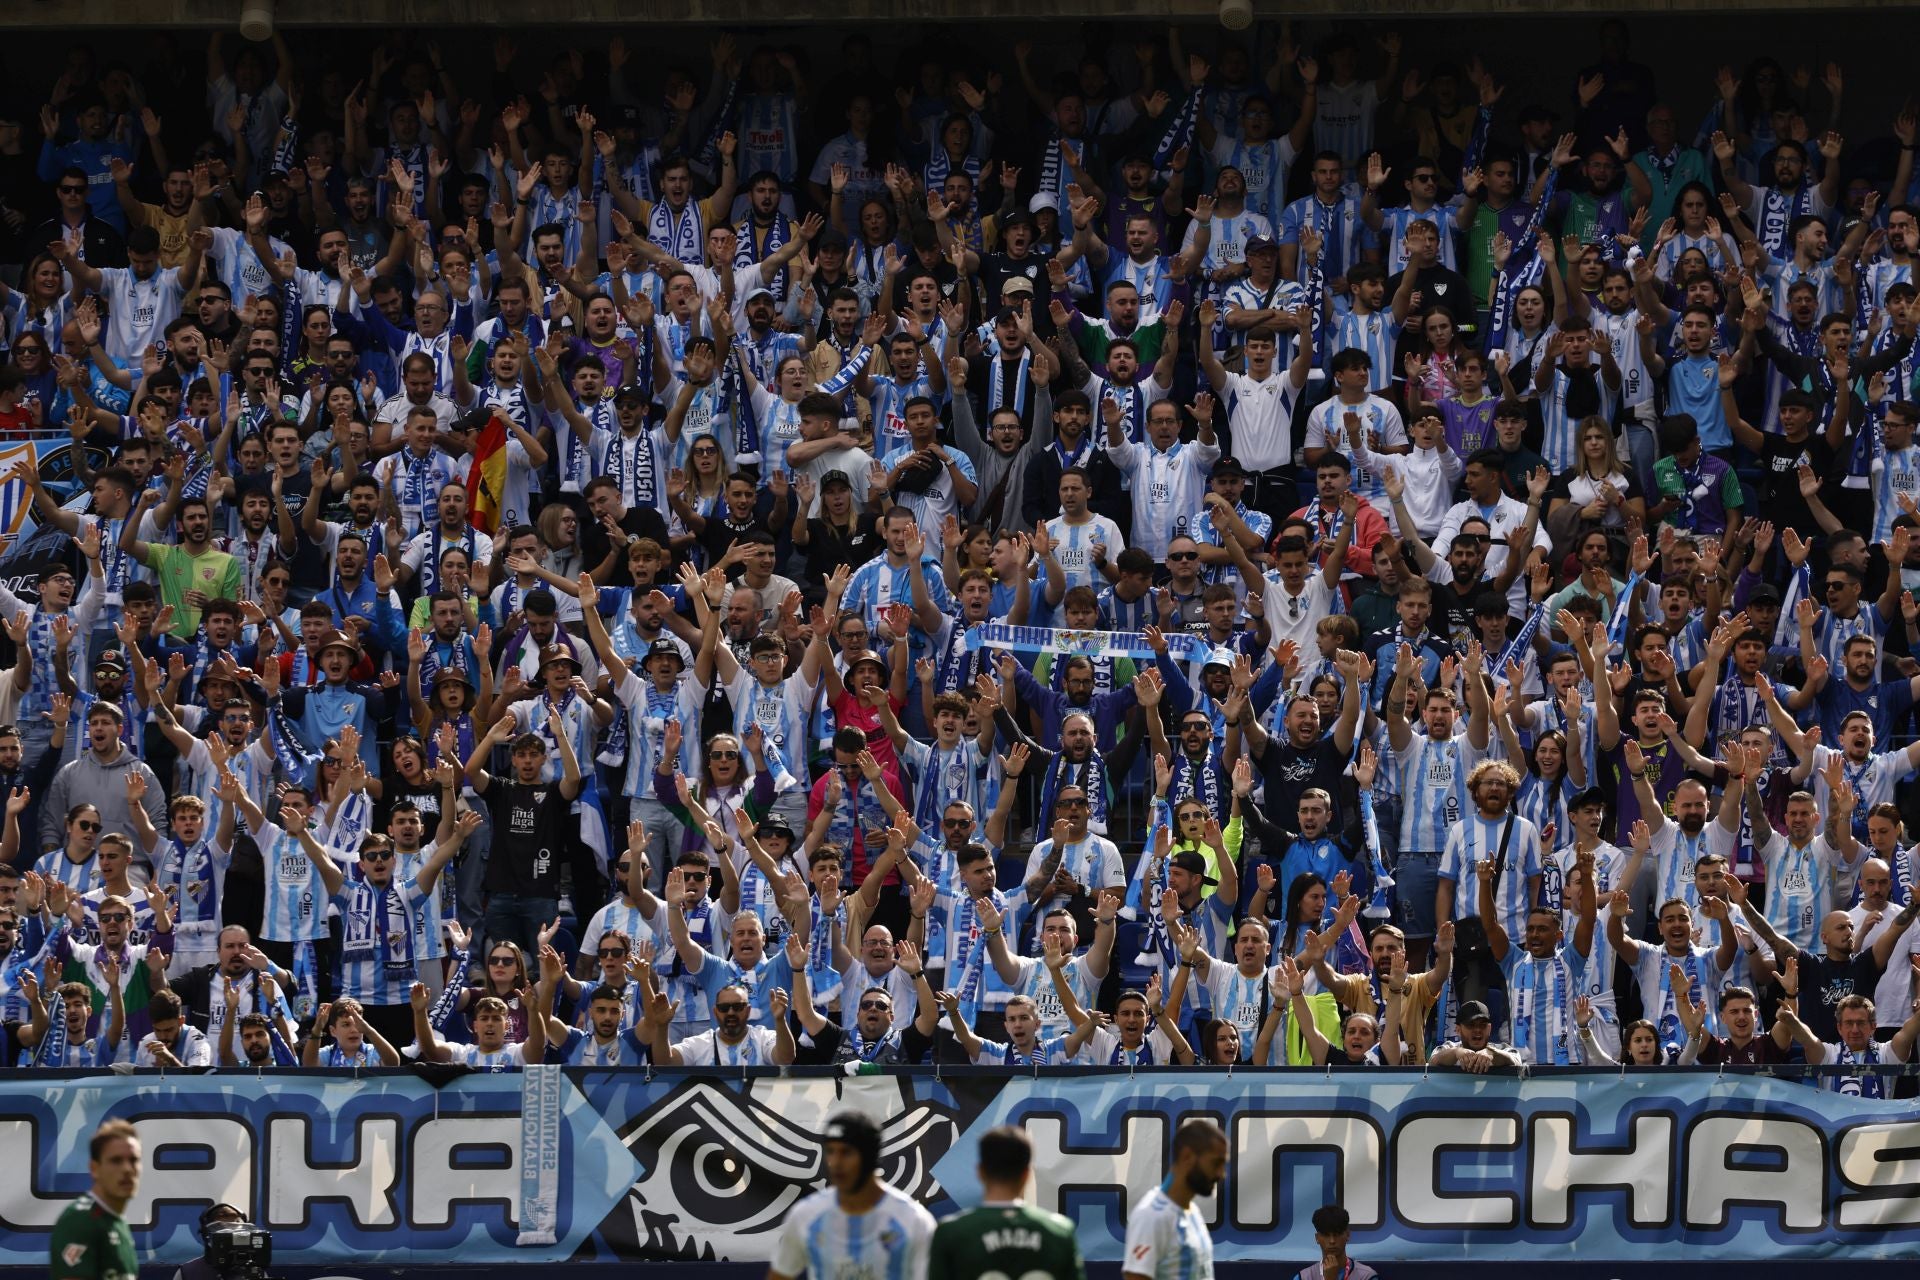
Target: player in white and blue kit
point(1167, 1236)
point(856, 1225)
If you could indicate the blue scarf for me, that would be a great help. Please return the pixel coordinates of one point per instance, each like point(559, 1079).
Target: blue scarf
point(1090, 774)
point(1379, 907)
point(1200, 781)
point(378, 923)
point(53, 1045)
point(1180, 130)
point(752, 249)
point(448, 1000)
point(710, 148)
point(193, 871)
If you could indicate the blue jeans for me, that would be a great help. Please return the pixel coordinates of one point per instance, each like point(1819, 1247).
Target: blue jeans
point(1416, 881)
point(518, 919)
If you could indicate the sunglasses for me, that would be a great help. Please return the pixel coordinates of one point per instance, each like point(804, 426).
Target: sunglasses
point(376, 855)
point(84, 825)
point(956, 824)
point(881, 1005)
point(723, 755)
point(115, 917)
point(68, 189)
point(500, 960)
point(1175, 556)
point(611, 953)
point(1840, 584)
point(1070, 803)
point(731, 1006)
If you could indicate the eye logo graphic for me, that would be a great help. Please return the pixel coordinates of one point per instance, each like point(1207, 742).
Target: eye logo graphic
point(720, 1168)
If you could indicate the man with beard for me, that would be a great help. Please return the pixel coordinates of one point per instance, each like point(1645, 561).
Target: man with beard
point(1472, 1049)
point(1167, 1236)
point(866, 1032)
point(242, 978)
point(1772, 209)
point(1300, 757)
point(191, 572)
point(602, 1042)
point(732, 1040)
point(1228, 232)
point(1514, 856)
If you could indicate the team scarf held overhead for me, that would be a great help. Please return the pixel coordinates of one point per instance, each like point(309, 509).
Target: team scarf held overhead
point(751, 249)
point(1380, 907)
point(1180, 132)
point(290, 314)
point(448, 1000)
point(53, 1045)
point(1617, 623)
point(1144, 891)
point(722, 121)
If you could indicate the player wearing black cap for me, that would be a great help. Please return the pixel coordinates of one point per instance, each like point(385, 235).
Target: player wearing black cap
point(856, 1221)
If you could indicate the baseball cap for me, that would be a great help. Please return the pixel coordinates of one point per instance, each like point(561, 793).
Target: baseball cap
point(631, 391)
point(1587, 799)
point(1471, 1012)
point(1043, 200)
point(1016, 284)
point(1228, 466)
point(835, 480)
point(761, 291)
point(1765, 593)
point(110, 660)
point(1257, 243)
point(1189, 861)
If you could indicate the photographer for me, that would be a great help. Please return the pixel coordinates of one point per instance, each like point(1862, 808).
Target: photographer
point(228, 1248)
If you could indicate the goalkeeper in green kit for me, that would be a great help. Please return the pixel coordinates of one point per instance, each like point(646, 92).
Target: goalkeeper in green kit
point(1004, 1236)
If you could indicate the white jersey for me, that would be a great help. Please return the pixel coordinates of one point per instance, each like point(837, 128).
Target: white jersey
point(511, 1058)
point(1476, 839)
point(1166, 1242)
point(1260, 416)
point(708, 1050)
point(1073, 547)
point(824, 1242)
point(1799, 885)
point(1622, 333)
point(1168, 486)
point(1326, 429)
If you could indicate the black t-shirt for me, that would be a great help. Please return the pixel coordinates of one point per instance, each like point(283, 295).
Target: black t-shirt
point(1780, 460)
point(836, 1045)
point(595, 542)
point(530, 838)
point(829, 546)
point(1454, 614)
point(998, 268)
point(1289, 771)
point(720, 533)
point(1824, 982)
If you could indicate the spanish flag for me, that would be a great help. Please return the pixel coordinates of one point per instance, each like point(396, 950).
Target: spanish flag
point(487, 478)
